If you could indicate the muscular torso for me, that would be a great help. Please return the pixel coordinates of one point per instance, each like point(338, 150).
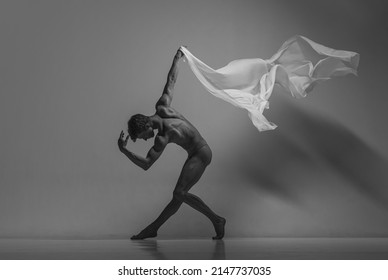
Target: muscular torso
point(177, 129)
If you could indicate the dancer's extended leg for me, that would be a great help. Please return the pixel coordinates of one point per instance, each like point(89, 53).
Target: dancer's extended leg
point(218, 221)
point(152, 229)
point(190, 174)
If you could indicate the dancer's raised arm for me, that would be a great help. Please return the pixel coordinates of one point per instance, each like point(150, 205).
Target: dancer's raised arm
point(168, 91)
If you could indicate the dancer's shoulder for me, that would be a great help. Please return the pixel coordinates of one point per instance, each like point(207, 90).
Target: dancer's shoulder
point(166, 112)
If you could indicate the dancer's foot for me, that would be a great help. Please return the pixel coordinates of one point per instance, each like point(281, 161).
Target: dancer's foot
point(219, 226)
point(145, 233)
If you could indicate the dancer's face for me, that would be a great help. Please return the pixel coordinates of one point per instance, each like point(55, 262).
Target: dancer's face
point(146, 134)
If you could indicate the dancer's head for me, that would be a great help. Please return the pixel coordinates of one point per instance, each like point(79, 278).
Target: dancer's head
point(140, 127)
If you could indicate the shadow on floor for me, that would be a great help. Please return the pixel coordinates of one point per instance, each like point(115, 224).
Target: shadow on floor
point(173, 249)
point(196, 249)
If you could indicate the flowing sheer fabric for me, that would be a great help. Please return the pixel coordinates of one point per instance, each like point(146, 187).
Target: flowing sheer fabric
point(297, 66)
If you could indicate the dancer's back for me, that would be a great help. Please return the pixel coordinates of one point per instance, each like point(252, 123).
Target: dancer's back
point(177, 129)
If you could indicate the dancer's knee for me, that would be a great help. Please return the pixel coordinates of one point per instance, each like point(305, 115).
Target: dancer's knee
point(179, 195)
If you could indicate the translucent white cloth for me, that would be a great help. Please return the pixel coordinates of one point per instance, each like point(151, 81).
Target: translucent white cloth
point(297, 66)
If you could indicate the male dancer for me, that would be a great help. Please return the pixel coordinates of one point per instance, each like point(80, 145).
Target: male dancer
point(172, 127)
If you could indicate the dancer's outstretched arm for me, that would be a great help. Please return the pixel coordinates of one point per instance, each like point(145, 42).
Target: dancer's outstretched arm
point(152, 155)
point(168, 91)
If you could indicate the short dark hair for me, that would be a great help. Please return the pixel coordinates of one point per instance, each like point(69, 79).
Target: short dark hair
point(137, 124)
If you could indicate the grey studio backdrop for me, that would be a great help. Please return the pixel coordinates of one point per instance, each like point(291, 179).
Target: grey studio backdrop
point(72, 72)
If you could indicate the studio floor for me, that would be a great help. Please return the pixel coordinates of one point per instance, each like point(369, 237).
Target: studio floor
point(229, 248)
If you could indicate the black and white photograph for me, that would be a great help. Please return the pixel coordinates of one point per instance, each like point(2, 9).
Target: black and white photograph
point(193, 130)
